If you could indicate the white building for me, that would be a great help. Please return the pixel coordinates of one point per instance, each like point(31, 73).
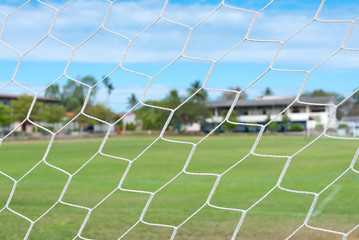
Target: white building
point(352, 122)
point(258, 110)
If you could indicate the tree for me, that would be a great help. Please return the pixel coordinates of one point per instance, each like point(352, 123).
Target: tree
point(5, 115)
point(72, 96)
point(286, 122)
point(152, 118)
point(268, 119)
point(267, 92)
point(229, 96)
point(349, 107)
point(20, 108)
point(132, 100)
point(101, 112)
point(273, 127)
point(200, 96)
point(192, 111)
point(355, 97)
point(53, 91)
point(322, 93)
point(109, 86)
point(53, 114)
point(296, 127)
point(228, 127)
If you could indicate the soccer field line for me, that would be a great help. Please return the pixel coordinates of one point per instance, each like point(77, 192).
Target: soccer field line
point(179, 180)
point(319, 209)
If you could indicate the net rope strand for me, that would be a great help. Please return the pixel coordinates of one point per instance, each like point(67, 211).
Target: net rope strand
point(171, 112)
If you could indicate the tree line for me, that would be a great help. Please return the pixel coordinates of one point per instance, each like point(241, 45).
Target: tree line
point(194, 110)
point(71, 98)
point(72, 95)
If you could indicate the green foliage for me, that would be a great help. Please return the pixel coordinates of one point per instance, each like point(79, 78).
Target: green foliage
point(267, 119)
point(273, 127)
point(322, 93)
point(200, 96)
point(52, 113)
point(5, 115)
point(319, 127)
point(72, 95)
point(40, 112)
point(120, 125)
point(286, 121)
point(152, 118)
point(20, 108)
point(268, 92)
point(98, 111)
point(228, 127)
point(108, 84)
point(132, 100)
point(192, 111)
point(296, 127)
point(53, 91)
point(343, 126)
point(130, 126)
point(101, 112)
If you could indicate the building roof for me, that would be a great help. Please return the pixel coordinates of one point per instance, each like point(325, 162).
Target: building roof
point(13, 97)
point(273, 101)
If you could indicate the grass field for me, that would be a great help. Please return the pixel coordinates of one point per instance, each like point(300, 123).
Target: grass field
point(276, 217)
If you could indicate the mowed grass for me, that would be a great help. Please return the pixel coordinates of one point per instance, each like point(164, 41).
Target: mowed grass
point(96, 176)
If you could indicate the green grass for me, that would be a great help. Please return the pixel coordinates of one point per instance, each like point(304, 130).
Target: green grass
point(276, 217)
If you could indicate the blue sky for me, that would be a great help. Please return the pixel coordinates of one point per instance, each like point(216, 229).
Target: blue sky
point(153, 49)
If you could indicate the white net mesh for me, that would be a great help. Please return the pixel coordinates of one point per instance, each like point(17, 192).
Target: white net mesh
point(189, 48)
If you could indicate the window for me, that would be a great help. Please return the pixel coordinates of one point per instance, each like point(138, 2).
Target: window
point(241, 112)
point(296, 109)
point(317, 109)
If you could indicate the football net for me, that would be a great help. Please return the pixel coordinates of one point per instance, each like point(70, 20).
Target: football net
point(227, 119)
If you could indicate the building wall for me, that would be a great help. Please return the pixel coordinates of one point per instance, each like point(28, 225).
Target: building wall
point(192, 127)
point(310, 114)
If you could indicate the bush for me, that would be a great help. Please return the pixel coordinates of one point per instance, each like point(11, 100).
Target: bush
point(296, 127)
point(130, 127)
point(273, 127)
point(319, 127)
point(343, 126)
point(120, 125)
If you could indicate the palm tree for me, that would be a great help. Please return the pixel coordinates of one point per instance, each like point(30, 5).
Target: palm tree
point(109, 86)
point(201, 96)
point(132, 100)
point(89, 80)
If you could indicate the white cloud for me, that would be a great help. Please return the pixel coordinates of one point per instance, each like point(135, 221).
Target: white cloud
point(164, 41)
